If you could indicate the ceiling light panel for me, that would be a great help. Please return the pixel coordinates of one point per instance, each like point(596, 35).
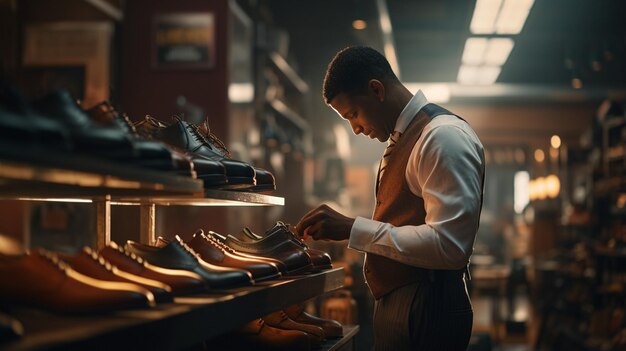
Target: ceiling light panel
point(513, 16)
point(468, 74)
point(497, 51)
point(474, 51)
point(488, 75)
point(484, 17)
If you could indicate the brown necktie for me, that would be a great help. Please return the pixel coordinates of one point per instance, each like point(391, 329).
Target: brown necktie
point(393, 139)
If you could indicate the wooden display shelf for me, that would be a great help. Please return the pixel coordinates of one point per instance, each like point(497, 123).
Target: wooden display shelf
point(42, 174)
point(287, 113)
point(211, 198)
point(174, 326)
point(288, 72)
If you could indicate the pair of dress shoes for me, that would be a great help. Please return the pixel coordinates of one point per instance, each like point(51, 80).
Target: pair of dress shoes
point(280, 244)
point(43, 280)
point(288, 329)
point(176, 254)
point(281, 232)
point(158, 155)
point(199, 143)
point(289, 257)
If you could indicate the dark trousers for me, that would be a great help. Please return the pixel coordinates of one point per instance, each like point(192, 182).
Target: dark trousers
point(432, 314)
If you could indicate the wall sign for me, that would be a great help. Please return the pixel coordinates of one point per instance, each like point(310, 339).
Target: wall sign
point(184, 40)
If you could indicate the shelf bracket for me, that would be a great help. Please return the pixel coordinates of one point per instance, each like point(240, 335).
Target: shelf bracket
point(103, 221)
point(147, 224)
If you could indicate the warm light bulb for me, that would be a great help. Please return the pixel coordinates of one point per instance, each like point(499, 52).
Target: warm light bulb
point(555, 141)
point(552, 186)
point(532, 190)
point(539, 155)
point(359, 24)
point(542, 192)
point(577, 83)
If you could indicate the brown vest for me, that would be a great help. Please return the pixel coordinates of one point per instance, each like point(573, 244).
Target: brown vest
point(397, 205)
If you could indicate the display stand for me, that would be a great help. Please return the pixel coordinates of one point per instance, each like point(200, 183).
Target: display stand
point(179, 325)
point(174, 326)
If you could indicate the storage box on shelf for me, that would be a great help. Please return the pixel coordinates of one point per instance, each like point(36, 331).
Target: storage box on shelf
point(178, 325)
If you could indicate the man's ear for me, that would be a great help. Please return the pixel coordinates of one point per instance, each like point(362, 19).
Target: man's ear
point(377, 88)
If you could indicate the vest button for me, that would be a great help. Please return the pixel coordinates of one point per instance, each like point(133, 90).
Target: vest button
point(367, 270)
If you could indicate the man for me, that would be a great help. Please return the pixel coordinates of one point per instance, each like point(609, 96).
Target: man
point(428, 202)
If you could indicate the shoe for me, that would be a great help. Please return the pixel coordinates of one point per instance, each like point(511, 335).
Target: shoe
point(28, 127)
point(279, 319)
point(182, 282)
point(265, 180)
point(177, 255)
point(259, 336)
point(281, 232)
point(212, 253)
point(10, 328)
point(93, 265)
point(218, 239)
point(187, 137)
point(150, 154)
point(332, 328)
point(40, 279)
point(286, 251)
point(87, 137)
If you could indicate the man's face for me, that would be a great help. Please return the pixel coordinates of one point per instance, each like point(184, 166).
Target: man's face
point(365, 114)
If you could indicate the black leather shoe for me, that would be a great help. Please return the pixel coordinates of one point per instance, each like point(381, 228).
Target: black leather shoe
point(188, 137)
point(265, 180)
point(150, 154)
point(288, 252)
point(18, 121)
point(281, 232)
point(177, 255)
point(87, 137)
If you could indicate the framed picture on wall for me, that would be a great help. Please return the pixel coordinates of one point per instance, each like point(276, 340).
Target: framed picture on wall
point(184, 41)
point(69, 55)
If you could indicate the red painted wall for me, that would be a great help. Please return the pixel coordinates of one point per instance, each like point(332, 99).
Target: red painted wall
point(146, 90)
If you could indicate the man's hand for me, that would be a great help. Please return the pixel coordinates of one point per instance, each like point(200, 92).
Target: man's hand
point(324, 223)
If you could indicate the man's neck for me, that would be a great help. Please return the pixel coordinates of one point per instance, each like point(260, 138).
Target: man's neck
point(400, 97)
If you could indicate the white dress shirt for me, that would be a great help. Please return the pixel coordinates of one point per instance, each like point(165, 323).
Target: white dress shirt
point(445, 168)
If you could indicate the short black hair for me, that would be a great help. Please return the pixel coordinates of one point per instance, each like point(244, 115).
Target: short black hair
point(352, 68)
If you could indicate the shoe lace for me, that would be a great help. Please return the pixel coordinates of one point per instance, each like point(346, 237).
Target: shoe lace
point(130, 255)
point(287, 228)
point(220, 244)
point(209, 138)
point(53, 259)
point(99, 259)
point(189, 251)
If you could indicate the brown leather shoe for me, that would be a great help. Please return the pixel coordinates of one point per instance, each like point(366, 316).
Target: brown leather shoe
point(279, 319)
point(332, 329)
point(283, 249)
point(210, 252)
point(182, 282)
point(259, 336)
point(41, 279)
point(218, 240)
point(91, 264)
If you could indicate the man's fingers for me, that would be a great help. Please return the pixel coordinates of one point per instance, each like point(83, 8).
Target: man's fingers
point(315, 230)
point(309, 219)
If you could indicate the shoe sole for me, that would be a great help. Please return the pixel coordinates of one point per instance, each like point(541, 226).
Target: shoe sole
point(300, 270)
point(213, 179)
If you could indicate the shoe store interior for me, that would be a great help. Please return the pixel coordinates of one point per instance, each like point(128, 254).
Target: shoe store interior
point(178, 175)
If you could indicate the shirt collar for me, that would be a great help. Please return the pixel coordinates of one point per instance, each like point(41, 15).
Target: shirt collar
point(410, 110)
